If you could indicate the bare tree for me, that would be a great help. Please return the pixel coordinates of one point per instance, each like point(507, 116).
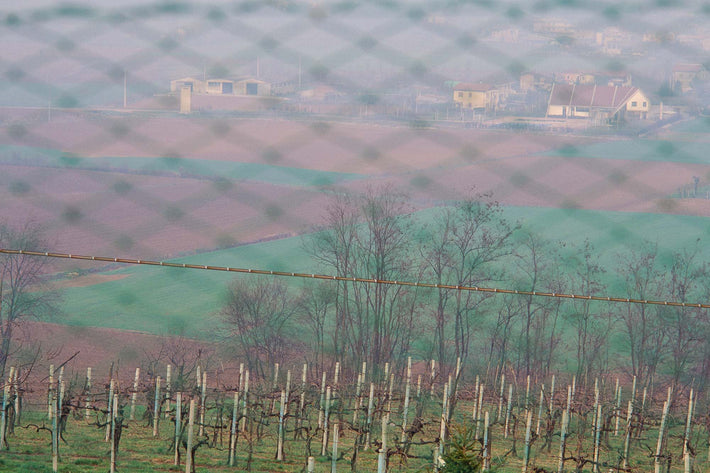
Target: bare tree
point(369, 236)
point(592, 323)
point(22, 294)
point(644, 330)
point(537, 269)
point(463, 248)
point(687, 281)
point(316, 311)
point(258, 314)
point(334, 247)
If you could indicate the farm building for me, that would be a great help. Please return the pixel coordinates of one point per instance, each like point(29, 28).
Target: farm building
point(475, 96)
point(596, 102)
point(244, 86)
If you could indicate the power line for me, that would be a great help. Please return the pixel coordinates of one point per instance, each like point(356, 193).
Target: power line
point(107, 259)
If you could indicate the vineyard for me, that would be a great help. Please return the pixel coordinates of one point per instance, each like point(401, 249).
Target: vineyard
point(409, 418)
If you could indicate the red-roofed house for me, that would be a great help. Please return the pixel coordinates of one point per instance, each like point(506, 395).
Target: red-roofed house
point(597, 102)
point(475, 96)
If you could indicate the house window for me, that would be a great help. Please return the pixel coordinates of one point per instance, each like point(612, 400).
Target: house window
point(213, 85)
point(460, 95)
point(645, 105)
point(634, 104)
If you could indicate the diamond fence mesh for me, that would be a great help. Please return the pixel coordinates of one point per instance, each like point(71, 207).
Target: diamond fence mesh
point(520, 187)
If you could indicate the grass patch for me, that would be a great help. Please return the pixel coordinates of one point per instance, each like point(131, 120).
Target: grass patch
point(639, 150)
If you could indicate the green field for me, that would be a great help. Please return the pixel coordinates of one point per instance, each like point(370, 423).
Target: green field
point(168, 300)
point(639, 150)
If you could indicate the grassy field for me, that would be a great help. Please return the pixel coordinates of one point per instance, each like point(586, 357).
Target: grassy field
point(167, 300)
point(675, 151)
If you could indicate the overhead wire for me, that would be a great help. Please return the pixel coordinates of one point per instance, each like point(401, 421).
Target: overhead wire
point(494, 290)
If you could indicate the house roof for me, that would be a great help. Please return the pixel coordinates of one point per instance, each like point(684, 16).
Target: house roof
point(595, 96)
point(472, 87)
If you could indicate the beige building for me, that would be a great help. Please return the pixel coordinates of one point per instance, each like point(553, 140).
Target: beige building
point(475, 96)
point(244, 86)
point(597, 102)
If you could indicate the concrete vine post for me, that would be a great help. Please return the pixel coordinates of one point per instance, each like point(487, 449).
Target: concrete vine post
point(134, 394)
point(178, 427)
point(233, 429)
point(190, 433)
point(156, 408)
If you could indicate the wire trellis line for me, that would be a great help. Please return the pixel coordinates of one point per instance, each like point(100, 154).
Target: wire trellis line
point(108, 259)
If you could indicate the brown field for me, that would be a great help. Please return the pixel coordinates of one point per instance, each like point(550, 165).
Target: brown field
point(163, 216)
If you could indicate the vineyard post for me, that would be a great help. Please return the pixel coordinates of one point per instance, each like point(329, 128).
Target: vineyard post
point(168, 389)
point(311, 466)
point(486, 443)
point(3, 416)
point(369, 416)
point(508, 409)
point(280, 440)
point(114, 408)
point(334, 459)
point(527, 394)
point(18, 398)
point(389, 393)
point(563, 440)
point(178, 426)
point(442, 428)
point(596, 401)
point(627, 441)
point(433, 374)
point(633, 390)
point(617, 411)
point(245, 403)
point(302, 402)
point(109, 408)
point(406, 400)
point(528, 428)
point(203, 395)
point(88, 394)
point(419, 387)
point(321, 407)
point(686, 437)
point(55, 431)
point(326, 414)
point(597, 437)
point(50, 395)
point(552, 393)
point(233, 428)
point(274, 385)
point(156, 407)
point(539, 409)
point(382, 456)
point(134, 394)
point(358, 398)
point(190, 432)
point(479, 407)
point(500, 398)
point(659, 445)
